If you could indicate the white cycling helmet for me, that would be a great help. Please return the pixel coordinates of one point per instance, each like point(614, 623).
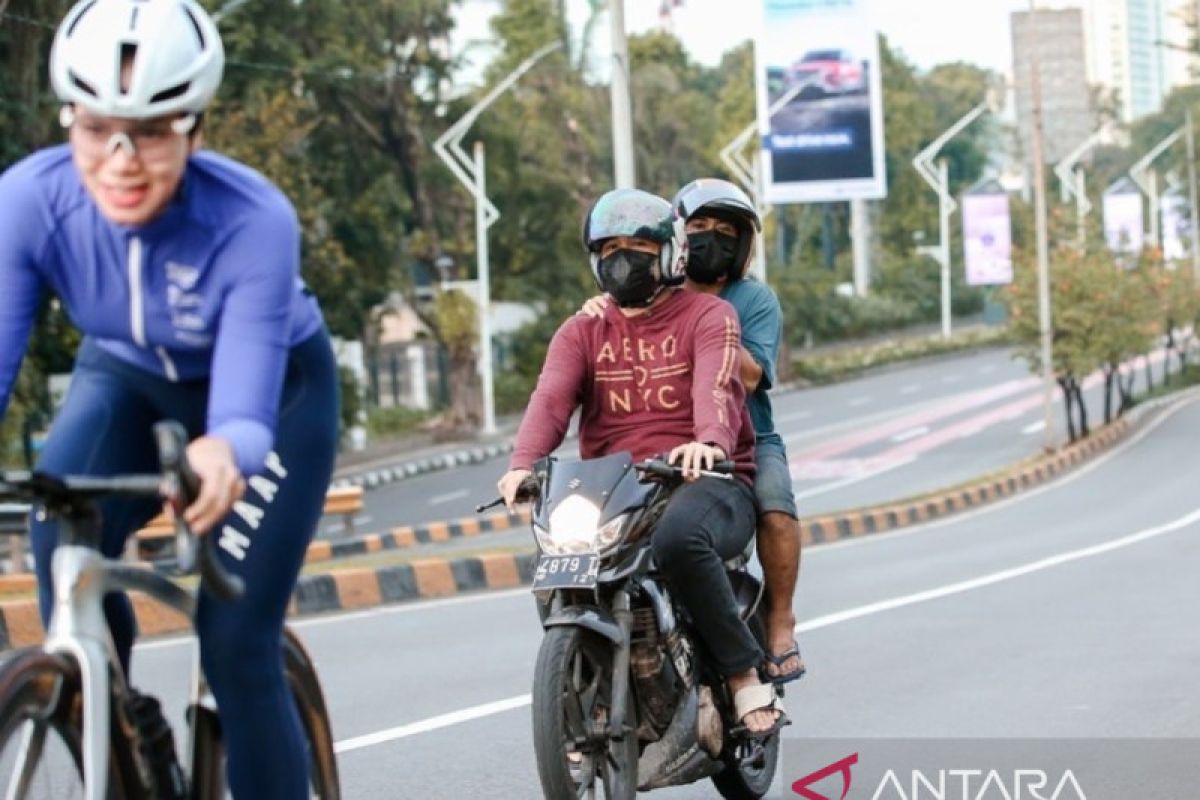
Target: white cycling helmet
point(176, 52)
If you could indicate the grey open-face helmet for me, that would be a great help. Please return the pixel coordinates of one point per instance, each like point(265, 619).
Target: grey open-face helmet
point(173, 48)
point(720, 198)
point(633, 212)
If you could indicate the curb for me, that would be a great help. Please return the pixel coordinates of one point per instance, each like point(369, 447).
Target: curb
point(382, 476)
point(365, 587)
point(412, 535)
point(877, 519)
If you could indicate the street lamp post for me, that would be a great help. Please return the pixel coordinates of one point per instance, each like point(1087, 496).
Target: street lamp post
point(622, 118)
point(470, 172)
point(1043, 245)
point(1195, 225)
point(1072, 182)
point(749, 172)
point(1146, 179)
point(937, 178)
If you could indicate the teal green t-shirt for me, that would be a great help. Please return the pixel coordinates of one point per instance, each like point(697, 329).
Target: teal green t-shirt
point(761, 319)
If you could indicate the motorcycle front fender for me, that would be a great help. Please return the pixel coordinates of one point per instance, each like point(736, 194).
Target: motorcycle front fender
point(593, 618)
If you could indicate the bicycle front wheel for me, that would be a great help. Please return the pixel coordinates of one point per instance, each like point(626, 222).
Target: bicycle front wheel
point(40, 739)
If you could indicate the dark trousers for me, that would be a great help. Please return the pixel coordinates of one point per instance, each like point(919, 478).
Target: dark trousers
point(104, 428)
point(705, 523)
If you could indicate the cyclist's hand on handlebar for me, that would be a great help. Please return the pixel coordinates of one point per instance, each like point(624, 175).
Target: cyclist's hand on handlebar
point(695, 456)
point(510, 485)
point(221, 483)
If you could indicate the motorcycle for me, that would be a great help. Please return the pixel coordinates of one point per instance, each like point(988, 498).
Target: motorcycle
point(625, 697)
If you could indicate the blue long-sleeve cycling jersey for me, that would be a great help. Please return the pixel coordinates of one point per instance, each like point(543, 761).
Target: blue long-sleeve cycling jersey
point(194, 294)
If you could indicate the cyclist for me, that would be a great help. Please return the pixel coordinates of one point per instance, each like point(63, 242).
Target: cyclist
point(656, 373)
point(721, 225)
point(181, 268)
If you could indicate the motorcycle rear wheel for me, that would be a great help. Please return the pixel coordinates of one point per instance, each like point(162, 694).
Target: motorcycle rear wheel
point(572, 697)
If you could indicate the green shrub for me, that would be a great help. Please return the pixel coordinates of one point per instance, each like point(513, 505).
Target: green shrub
point(394, 421)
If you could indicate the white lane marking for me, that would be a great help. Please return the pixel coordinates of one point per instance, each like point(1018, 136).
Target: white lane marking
point(829, 547)
point(431, 724)
point(448, 497)
point(911, 433)
point(912, 388)
point(1000, 576)
point(987, 369)
point(829, 487)
point(793, 415)
point(365, 519)
point(936, 593)
point(951, 379)
point(1036, 427)
point(860, 401)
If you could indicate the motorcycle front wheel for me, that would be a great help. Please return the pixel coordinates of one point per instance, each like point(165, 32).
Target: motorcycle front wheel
point(572, 700)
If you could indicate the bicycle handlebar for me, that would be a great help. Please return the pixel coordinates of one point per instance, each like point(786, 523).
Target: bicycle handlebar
point(178, 484)
point(172, 443)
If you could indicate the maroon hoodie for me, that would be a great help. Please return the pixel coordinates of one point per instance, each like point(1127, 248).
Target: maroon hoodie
point(646, 384)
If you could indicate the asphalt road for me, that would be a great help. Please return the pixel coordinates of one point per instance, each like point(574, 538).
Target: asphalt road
point(1066, 611)
point(887, 436)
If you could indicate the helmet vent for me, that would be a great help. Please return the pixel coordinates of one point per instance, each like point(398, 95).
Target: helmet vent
point(82, 85)
point(196, 25)
point(174, 91)
point(128, 54)
point(79, 17)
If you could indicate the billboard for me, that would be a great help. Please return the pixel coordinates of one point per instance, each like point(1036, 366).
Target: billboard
point(987, 238)
point(1123, 228)
point(820, 102)
point(1176, 236)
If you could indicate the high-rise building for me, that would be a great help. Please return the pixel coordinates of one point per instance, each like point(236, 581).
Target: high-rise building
point(1057, 46)
point(1126, 53)
point(1182, 63)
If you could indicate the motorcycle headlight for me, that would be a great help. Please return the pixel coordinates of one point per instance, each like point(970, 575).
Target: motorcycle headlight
point(574, 527)
point(610, 534)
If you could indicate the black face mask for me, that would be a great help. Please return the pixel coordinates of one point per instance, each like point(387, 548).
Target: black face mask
point(710, 256)
point(628, 275)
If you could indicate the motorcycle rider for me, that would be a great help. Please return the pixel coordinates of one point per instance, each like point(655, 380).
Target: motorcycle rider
point(658, 373)
point(721, 225)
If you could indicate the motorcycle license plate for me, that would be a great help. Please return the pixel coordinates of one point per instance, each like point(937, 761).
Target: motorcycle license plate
point(566, 572)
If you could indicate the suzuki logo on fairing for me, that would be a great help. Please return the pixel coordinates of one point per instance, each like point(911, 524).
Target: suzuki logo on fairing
point(800, 787)
point(574, 484)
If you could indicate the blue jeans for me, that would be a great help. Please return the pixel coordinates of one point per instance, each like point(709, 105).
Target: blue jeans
point(104, 428)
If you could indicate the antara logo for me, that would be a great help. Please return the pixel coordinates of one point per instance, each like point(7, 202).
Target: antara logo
point(977, 784)
point(842, 767)
point(949, 784)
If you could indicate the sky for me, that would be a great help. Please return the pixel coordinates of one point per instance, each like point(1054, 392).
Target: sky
point(928, 32)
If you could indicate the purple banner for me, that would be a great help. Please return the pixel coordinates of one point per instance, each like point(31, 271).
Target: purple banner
point(1176, 237)
point(1123, 222)
point(987, 239)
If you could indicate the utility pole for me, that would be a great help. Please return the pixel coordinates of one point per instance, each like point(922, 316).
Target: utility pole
point(622, 117)
point(1195, 226)
point(1043, 247)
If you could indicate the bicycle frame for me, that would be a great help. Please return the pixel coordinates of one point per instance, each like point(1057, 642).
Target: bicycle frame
point(82, 576)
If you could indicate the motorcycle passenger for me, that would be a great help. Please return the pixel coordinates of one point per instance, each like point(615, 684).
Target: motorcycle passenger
point(181, 268)
point(722, 224)
point(658, 373)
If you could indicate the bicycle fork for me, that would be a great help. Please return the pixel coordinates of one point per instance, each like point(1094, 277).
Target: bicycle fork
point(78, 629)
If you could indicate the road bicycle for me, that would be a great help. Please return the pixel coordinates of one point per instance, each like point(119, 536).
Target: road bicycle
point(70, 724)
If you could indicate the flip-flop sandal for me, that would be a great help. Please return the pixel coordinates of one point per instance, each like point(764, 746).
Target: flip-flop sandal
point(758, 697)
point(779, 660)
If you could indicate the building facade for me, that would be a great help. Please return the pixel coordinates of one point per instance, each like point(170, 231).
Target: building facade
point(1055, 41)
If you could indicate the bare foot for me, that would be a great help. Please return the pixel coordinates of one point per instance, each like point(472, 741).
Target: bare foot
point(781, 639)
point(759, 720)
